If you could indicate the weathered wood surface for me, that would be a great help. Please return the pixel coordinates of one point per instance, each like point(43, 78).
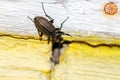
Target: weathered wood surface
point(22, 59)
point(29, 60)
point(82, 62)
point(86, 16)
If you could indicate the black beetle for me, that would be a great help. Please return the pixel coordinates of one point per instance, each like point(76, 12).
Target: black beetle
point(46, 27)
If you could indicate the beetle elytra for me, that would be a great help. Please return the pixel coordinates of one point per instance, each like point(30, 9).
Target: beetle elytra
point(46, 27)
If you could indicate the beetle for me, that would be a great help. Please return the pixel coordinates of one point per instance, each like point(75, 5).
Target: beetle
point(46, 27)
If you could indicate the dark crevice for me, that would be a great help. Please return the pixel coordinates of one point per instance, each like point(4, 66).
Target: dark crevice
point(64, 42)
point(91, 45)
point(57, 47)
point(15, 36)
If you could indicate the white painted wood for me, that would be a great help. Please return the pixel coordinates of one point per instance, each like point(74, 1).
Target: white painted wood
point(85, 16)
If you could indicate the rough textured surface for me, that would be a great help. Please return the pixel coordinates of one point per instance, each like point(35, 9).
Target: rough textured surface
point(91, 58)
point(85, 15)
point(22, 59)
point(83, 62)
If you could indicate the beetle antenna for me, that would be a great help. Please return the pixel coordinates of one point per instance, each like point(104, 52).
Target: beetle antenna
point(30, 19)
point(44, 9)
point(63, 23)
point(51, 19)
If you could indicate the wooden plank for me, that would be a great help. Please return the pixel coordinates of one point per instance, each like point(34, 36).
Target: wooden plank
point(85, 16)
point(23, 59)
point(26, 58)
point(83, 62)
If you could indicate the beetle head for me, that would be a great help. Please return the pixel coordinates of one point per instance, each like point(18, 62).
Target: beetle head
point(57, 36)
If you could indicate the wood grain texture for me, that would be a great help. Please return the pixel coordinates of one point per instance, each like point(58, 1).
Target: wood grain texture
point(28, 59)
point(82, 62)
point(86, 16)
point(23, 59)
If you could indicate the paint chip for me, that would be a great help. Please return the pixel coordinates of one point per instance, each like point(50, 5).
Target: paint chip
point(110, 8)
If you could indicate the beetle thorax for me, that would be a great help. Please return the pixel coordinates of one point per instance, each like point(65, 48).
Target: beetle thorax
point(57, 36)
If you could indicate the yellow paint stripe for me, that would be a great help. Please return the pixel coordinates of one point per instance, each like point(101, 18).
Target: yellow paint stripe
point(27, 58)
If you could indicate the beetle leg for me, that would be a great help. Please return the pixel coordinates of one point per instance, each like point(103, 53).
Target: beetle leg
point(63, 23)
point(30, 19)
point(63, 33)
point(40, 34)
point(67, 34)
point(48, 39)
point(51, 19)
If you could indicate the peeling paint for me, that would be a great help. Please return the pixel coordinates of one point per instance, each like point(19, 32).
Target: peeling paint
point(110, 8)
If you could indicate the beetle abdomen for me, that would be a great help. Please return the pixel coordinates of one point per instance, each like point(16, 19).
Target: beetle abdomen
point(43, 25)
